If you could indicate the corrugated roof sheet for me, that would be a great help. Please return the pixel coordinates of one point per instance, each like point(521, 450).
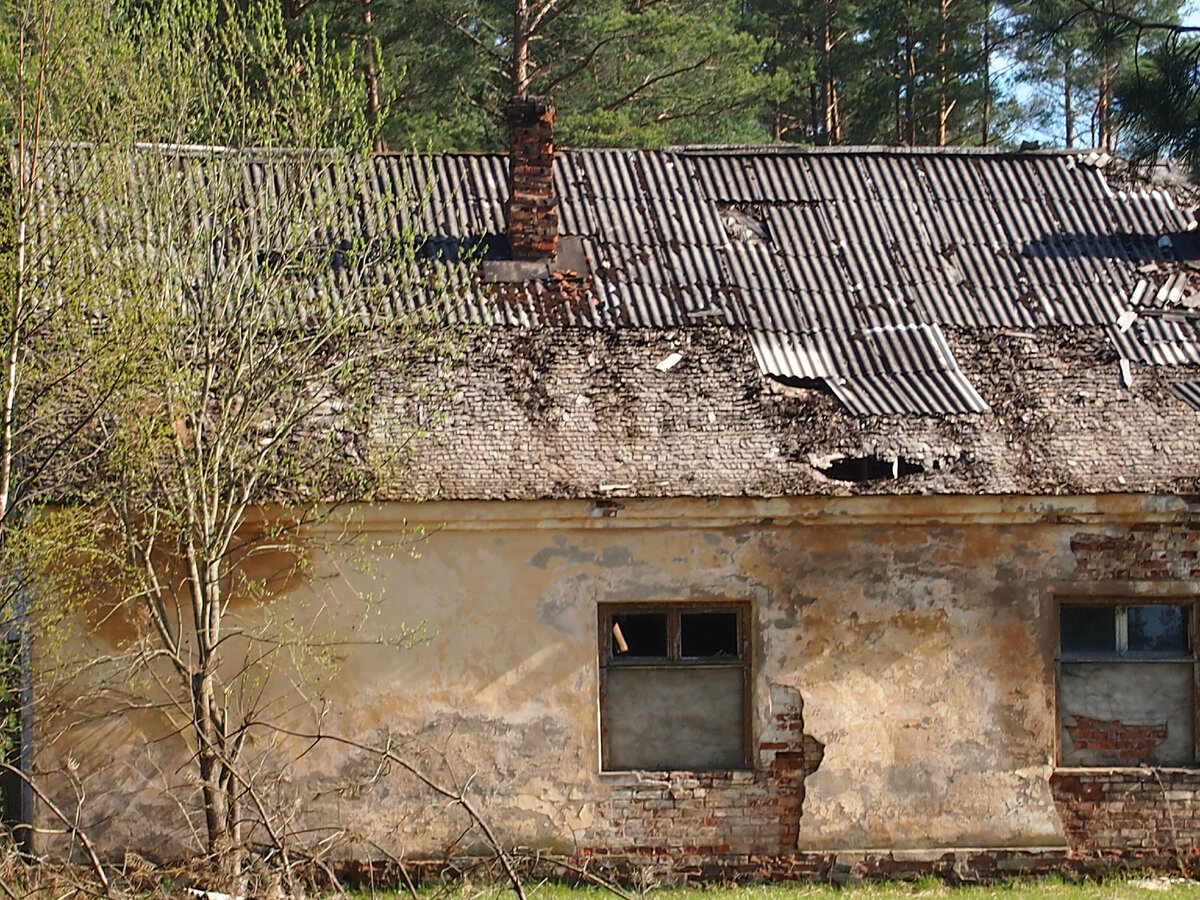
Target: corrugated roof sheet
point(871, 238)
point(842, 264)
point(879, 371)
point(914, 393)
point(1159, 341)
point(1188, 392)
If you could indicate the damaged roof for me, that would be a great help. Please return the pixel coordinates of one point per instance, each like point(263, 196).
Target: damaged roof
point(844, 265)
point(537, 413)
point(776, 322)
point(769, 322)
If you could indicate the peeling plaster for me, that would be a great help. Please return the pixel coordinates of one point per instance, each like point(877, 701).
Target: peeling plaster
point(916, 657)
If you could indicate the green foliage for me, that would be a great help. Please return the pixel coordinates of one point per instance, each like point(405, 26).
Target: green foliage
point(808, 53)
point(925, 74)
point(221, 72)
point(1072, 52)
point(1158, 100)
point(656, 74)
point(622, 73)
point(199, 326)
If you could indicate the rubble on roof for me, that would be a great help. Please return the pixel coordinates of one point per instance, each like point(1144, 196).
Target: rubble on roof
point(543, 413)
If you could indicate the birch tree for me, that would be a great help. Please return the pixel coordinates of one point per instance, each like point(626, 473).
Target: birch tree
point(53, 291)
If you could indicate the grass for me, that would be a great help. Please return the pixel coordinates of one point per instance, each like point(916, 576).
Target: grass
point(1134, 888)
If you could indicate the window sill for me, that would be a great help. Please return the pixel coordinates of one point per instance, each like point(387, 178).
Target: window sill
point(638, 775)
point(1191, 769)
point(1126, 659)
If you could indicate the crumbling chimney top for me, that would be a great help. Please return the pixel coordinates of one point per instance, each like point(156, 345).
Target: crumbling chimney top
point(532, 214)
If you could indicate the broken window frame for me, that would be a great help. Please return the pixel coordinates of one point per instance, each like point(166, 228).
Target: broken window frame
point(674, 660)
point(1121, 656)
point(1121, 649)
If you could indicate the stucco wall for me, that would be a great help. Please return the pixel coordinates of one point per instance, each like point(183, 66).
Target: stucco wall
point(902, 668)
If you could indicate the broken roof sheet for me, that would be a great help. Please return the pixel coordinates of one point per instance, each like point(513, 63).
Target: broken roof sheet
point(1188, 392)
point(905, 369)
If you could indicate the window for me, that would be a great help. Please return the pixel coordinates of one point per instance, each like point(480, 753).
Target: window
point(674, 682)
point(1126, 684)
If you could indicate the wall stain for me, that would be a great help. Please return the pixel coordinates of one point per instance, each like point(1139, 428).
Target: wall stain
point(609, 557)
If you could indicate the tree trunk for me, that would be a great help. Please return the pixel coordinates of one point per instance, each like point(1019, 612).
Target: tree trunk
point(943, 75)
point(910, 125)
point(371, 74)
point(985, 124)
point(1104, 108)
point(899, 110)
point(830, 124)
point(12, 370)
point(814, 113)
point(205, 719)
point(215, 754)
point(1068, 104)
point(520, 74)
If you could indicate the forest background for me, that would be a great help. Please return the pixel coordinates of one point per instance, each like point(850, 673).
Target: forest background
point(647, 73)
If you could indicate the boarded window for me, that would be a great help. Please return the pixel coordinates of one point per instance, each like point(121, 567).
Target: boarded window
point(1126, 684)
point(673, 686)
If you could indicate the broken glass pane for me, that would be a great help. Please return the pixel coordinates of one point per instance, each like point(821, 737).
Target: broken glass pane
point(639, 634)
point(708, 634)
point(1088, 630)
point(1158, 631)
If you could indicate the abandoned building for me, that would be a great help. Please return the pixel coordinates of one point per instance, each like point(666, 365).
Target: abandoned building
point(793, 509)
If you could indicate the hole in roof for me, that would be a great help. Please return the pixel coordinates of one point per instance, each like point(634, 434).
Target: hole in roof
point(448, 248)
point(743, 226)
point(869, 468)
point(791, 386)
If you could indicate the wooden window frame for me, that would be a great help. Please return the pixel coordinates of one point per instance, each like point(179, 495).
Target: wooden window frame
point(1122, 602)
point(674, 659)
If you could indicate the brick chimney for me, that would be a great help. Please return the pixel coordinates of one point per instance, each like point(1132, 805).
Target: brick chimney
point(532, 213)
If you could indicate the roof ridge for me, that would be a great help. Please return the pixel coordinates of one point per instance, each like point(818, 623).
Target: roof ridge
point(871, 149)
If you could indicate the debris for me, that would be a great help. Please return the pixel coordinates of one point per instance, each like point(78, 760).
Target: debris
point(1126, 319)
point(1162, 883)
point(212, 895)
point(669, 362)
point(1126, 373)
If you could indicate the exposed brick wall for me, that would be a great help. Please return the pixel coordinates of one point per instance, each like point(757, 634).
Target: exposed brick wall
point(555, 412)
point(696, 815)
point(1135, 811)
point(1127, 744)
point(1145, 552)
point(532, 207)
